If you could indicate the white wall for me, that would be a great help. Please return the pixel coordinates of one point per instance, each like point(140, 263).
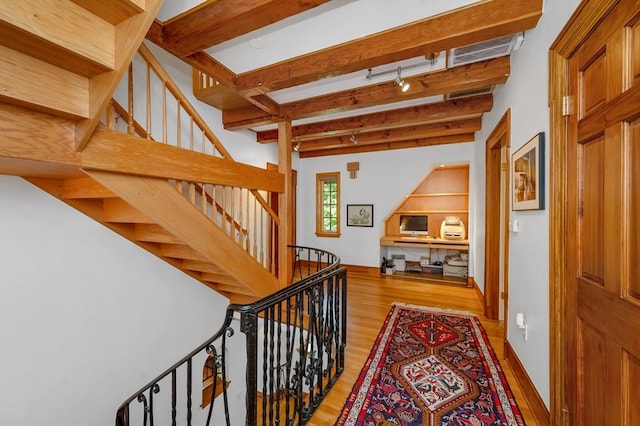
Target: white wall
point(383, 180)
point(86, 317)
point(526, 94)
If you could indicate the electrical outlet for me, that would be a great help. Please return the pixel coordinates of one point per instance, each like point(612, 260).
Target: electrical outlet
point(522, 325)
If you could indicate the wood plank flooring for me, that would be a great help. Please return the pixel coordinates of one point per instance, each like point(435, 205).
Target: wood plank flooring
point(369, 301)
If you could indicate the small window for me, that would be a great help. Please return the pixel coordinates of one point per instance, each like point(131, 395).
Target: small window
point(328, 204)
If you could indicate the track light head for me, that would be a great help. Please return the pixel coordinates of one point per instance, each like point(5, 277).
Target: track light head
point(400, 82)
point(353, 138)
point(297, 145)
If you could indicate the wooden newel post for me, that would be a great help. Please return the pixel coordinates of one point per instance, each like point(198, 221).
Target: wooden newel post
point(285, 205)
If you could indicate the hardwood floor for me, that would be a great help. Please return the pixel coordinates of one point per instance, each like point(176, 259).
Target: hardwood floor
point(369, 300)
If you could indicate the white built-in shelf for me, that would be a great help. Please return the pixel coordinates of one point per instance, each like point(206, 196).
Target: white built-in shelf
point(440, 194)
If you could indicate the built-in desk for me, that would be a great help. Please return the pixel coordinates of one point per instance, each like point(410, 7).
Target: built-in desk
point(428, 243)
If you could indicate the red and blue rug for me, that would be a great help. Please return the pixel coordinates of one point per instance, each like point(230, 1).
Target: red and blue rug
point(431, 367)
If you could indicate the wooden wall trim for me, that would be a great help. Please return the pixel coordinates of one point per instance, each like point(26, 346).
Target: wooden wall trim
point(500, 137)
point(537, 405)
point(364, 270)
point(477, 290)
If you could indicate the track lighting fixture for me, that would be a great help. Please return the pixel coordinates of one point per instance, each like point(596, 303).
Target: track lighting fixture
point(431, 62)
point(353, 138)
point(297, 145)
point(400, 82)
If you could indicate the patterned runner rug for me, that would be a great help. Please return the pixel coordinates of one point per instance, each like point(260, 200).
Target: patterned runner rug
point(431, 367)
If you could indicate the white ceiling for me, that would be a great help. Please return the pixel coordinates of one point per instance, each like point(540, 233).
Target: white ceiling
point(329, 24)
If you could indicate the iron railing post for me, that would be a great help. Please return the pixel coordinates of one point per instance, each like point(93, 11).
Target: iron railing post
point(249, 326)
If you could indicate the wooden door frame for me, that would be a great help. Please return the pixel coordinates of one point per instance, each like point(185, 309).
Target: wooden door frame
point(579, 26)
point(500, 137)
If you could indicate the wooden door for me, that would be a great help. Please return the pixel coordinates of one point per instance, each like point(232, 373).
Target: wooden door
point(603, 211)
point(496, 258)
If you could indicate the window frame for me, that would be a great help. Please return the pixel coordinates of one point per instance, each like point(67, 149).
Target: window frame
point(320, 179)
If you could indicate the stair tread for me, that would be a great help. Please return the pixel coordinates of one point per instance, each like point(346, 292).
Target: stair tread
point(114, 11)
point(85, 188)
point(84, 45)
point(30, 81)
point(182, 251)
point(118, 210)
point(194, 265)
point(153, 233)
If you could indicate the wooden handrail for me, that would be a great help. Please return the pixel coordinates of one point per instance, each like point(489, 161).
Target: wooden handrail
point(146, 54)
point(248, 219)
point(153, 63)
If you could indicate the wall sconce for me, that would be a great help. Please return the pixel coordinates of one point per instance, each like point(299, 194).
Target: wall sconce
point(353, 168)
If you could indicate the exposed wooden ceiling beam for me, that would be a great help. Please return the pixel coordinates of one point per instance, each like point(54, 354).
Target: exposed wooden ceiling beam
point(459, 109)
point(471, 76)
point(354, 149)
point(466, 77)
point(222, 74)
point(481, 21)
point(399, 134)
point(189, 34)
point(214, 22)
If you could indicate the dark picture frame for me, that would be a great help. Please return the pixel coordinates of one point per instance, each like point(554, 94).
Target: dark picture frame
point(360, 215)
point(527, 175)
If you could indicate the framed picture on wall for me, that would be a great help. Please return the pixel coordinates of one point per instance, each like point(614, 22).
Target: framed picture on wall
point(359, 214)
point(527, 172)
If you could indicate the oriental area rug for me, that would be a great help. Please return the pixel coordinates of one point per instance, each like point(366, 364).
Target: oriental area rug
point(431, 367)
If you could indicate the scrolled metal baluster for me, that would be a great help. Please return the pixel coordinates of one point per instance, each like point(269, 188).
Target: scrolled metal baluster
point(296, 261)
point(145, 409)
point(318, 257)
point(210, 349)
point(148, 405)
point(223, 365)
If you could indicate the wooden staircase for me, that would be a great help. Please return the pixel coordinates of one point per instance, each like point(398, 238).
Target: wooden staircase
point(60, 64)
point(157, 224)
point(67, 57)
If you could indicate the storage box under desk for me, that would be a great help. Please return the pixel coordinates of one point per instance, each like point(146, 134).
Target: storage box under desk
point(432, 269)
point(413, 267)
point(455, 271)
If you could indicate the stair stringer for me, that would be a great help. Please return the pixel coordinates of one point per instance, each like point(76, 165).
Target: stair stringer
point(159, 200)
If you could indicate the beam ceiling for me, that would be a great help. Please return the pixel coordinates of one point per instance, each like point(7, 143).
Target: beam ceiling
point(247, 102)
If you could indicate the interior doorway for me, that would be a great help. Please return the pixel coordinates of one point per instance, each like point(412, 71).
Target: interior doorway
point(496, 263)
point(595, 232)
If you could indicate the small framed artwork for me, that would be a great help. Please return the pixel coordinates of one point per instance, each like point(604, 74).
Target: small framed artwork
point(359, 214)
point(527, 171)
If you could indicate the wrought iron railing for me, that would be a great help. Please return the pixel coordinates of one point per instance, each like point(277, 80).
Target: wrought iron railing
point(294, 352)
